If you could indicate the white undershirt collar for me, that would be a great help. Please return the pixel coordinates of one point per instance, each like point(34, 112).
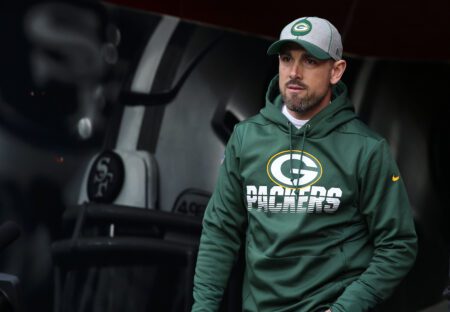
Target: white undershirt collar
point(298, 123)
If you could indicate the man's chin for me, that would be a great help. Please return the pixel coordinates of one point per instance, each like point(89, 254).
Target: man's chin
point(299, 108)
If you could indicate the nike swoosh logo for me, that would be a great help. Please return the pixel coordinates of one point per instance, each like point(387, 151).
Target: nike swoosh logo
point(395, 178)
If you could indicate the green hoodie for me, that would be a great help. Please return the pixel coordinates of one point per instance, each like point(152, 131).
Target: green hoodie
point(322, 211)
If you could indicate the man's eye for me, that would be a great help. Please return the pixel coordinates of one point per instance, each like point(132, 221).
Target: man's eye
point(310, 61)
point(285, 58)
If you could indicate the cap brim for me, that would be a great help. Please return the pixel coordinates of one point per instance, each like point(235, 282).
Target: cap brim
point(311, 48)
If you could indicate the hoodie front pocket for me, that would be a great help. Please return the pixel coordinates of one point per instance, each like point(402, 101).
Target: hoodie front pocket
point(285, 281)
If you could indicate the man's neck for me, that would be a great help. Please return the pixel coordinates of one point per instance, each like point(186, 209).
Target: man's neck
point(298, 123)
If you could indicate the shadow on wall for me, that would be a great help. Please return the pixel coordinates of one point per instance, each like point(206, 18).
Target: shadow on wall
point(411, 111)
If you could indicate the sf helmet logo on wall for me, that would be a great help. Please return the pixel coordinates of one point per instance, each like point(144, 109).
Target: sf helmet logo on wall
point(103, 177)
point(281, 172)
point(301, 28)
point(106, 178)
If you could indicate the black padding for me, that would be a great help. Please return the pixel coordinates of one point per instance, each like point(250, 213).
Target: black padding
point(106, 178)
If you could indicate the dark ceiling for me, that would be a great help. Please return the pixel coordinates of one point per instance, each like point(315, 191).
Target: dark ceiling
point(416, 29)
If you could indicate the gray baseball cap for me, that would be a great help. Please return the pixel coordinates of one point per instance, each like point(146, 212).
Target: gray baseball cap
point(316, 35)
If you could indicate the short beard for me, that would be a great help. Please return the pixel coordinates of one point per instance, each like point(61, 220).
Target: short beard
point(302, 105)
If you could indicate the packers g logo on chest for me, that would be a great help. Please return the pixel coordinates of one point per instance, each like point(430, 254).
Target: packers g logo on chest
point(292, 170)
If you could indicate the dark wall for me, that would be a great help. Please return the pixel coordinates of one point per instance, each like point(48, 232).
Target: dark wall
point(401, 29)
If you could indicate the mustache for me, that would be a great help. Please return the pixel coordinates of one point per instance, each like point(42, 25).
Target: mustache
point(296, 83)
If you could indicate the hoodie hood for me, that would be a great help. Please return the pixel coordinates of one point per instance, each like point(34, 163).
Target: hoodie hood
point(338, 112)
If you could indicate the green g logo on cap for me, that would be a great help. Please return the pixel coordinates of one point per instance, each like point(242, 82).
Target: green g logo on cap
point(301, 28)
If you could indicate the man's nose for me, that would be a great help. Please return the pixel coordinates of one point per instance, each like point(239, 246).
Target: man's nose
point(296, 71)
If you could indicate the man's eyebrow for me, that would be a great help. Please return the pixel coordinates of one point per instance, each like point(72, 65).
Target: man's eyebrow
point(310, 56)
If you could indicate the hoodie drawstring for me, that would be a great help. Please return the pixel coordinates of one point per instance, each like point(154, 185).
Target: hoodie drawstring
point(290, 150)
point(301, 156)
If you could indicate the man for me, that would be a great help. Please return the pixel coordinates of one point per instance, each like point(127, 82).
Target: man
point(311, 192)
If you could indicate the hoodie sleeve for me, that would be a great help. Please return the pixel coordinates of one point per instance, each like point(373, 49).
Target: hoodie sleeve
point(224, 224)
point(385, 206)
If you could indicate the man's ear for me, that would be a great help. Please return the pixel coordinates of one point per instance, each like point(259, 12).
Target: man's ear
point(337, 71)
